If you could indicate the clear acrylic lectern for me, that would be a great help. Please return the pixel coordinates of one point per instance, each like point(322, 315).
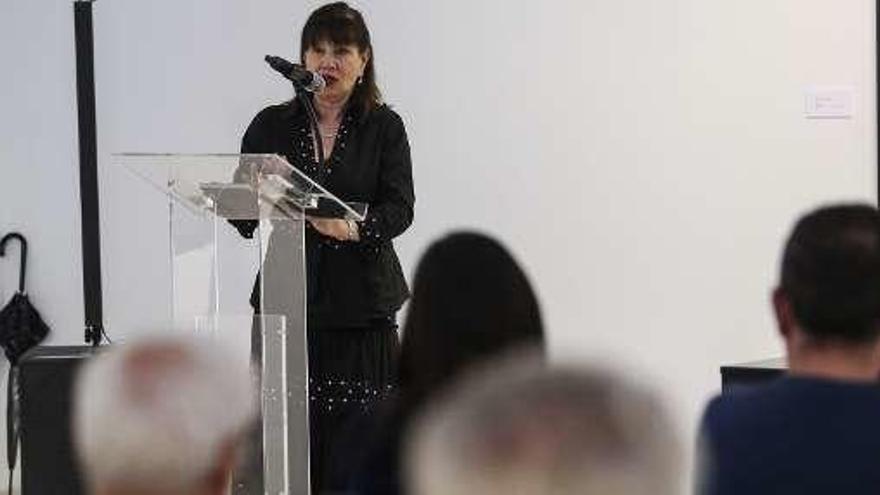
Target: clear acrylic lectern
point(213, 204)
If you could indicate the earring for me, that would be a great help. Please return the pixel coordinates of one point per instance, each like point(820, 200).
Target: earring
point(360, 79)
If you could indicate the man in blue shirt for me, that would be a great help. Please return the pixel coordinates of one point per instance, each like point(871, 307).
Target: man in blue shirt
point(816, 430)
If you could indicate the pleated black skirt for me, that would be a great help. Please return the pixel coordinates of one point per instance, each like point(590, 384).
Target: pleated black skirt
point(350, 369)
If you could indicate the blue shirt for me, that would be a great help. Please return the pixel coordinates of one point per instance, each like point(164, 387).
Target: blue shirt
point(795, 435)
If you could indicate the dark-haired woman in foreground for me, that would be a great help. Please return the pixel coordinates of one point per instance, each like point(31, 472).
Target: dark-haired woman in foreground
point(471, 302)
point(354, 279)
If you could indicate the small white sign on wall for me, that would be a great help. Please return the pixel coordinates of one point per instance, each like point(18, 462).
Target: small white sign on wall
point(829, 102)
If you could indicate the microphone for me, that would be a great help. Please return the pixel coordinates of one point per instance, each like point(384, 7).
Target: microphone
point(301, 77)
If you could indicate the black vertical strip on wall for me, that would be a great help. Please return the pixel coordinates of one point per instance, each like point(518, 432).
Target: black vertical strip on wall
point(88, 170)
point(877, 81)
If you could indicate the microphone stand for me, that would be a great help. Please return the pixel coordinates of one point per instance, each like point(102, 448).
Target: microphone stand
point(303, 96)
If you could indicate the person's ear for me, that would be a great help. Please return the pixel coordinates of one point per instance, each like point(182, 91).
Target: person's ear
point(783, 312)
point(219, 477)
point(366, 56)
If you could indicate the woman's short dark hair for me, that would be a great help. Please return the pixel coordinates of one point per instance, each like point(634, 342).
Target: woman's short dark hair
point(342, 25)
point(831, 273)
point(471, 301)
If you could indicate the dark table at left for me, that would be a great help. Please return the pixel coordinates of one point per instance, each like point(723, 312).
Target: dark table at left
point(48, 460)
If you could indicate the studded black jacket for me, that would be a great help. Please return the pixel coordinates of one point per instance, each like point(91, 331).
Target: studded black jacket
point(351, 282)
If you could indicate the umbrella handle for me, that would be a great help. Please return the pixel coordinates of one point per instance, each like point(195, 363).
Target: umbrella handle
point(21, 239)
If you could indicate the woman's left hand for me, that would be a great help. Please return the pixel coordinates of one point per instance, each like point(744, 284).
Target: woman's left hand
point(341, 230)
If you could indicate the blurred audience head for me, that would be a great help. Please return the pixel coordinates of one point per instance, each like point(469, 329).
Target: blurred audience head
point(536, 430)
point(471, 301)
point(161, 416)
point(829, 290)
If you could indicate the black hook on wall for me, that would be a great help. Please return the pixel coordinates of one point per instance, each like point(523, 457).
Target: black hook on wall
point(8, 237)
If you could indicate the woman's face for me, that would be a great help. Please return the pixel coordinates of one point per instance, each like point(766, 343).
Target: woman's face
point(339, 65)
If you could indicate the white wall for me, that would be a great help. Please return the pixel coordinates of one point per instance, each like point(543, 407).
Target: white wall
point(643, 159)
point(39, 179)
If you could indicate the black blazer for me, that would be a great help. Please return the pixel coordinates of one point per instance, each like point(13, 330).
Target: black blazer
point(349, 283)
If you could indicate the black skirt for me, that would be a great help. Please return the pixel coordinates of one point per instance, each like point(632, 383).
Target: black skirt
point(350, 369)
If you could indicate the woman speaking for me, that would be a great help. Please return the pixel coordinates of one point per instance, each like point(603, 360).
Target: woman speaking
point(356, 285)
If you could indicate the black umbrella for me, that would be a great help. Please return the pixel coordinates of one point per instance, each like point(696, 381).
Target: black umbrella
point(21, 328)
